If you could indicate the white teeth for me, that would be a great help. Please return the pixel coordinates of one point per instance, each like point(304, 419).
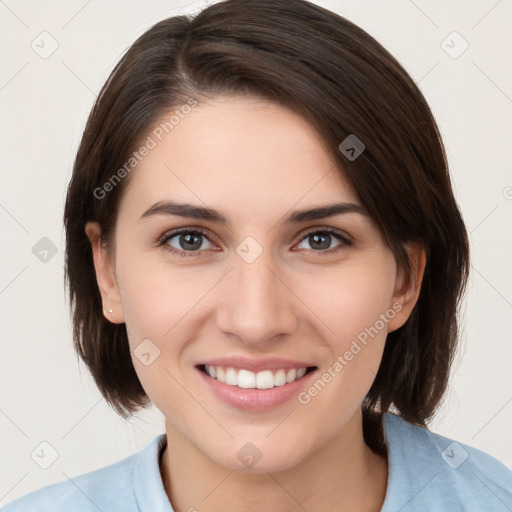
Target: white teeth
point(264, 380)
point(301, 372)
point(280, 378)
point(291, 375)
point(231, 377)
point(246, 379)
point(221, 375)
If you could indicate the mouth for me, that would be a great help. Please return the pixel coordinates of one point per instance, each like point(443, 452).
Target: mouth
point(246, 379)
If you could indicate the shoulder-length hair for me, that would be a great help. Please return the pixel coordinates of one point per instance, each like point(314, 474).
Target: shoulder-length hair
point(343, 82)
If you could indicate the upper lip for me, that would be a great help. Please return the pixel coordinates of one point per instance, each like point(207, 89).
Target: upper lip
point(255, 365)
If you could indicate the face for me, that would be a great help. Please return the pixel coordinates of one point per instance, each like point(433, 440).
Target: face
point(256, 299)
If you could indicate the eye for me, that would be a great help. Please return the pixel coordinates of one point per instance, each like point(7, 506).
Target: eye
point(189, 242)
point(320, 240)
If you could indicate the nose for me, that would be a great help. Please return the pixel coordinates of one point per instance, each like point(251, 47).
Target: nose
point(256, 304)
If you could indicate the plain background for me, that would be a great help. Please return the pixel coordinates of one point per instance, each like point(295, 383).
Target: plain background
point(45, 395)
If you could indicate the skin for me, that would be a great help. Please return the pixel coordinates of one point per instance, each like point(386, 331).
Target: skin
point(256, 162)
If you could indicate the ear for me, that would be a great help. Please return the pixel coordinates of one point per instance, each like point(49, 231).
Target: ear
point(406, 293)
point(105, 275)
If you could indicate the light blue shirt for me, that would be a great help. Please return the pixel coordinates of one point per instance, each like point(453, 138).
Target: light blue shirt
point(427, 472)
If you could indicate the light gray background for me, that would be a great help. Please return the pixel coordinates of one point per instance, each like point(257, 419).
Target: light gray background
point(44, 396)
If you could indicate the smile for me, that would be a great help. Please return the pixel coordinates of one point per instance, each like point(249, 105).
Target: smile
point(247, 379)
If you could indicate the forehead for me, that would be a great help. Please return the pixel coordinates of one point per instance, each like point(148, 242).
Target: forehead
point(239, 154)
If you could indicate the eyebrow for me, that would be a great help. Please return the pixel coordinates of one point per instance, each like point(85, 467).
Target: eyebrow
point(191, 211)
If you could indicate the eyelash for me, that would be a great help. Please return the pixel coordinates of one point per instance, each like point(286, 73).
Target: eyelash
point(199, 231)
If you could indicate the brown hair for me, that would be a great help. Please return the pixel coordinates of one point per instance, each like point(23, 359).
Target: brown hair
point(343, 82)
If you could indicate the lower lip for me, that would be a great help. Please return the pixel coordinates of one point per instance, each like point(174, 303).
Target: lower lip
point(256, 399)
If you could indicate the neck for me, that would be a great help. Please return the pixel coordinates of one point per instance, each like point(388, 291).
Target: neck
point(348, 475)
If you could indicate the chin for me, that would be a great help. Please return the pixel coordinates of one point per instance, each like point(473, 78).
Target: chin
point(258, 457)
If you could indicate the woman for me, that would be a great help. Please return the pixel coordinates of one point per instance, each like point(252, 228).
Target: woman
point(262, 241)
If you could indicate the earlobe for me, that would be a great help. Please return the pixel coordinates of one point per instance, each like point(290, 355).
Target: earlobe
point(105, 276)
point(407, 293)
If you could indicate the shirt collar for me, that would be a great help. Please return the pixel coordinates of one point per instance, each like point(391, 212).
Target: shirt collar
point(147, 482)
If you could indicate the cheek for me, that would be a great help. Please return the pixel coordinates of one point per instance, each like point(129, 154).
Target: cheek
point(354, 305)
point(158, 305)
point(155, 298)
point(351, 300)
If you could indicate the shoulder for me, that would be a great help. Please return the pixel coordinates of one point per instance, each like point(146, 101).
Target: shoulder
point(108, 488)
point(91, 491)
point(427, 471)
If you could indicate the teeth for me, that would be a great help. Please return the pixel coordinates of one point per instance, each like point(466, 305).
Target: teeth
point(246, 379)
point(280, 378)
point(231, 377)
point(264, 380)
point(291, 375)
point(301, 373)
